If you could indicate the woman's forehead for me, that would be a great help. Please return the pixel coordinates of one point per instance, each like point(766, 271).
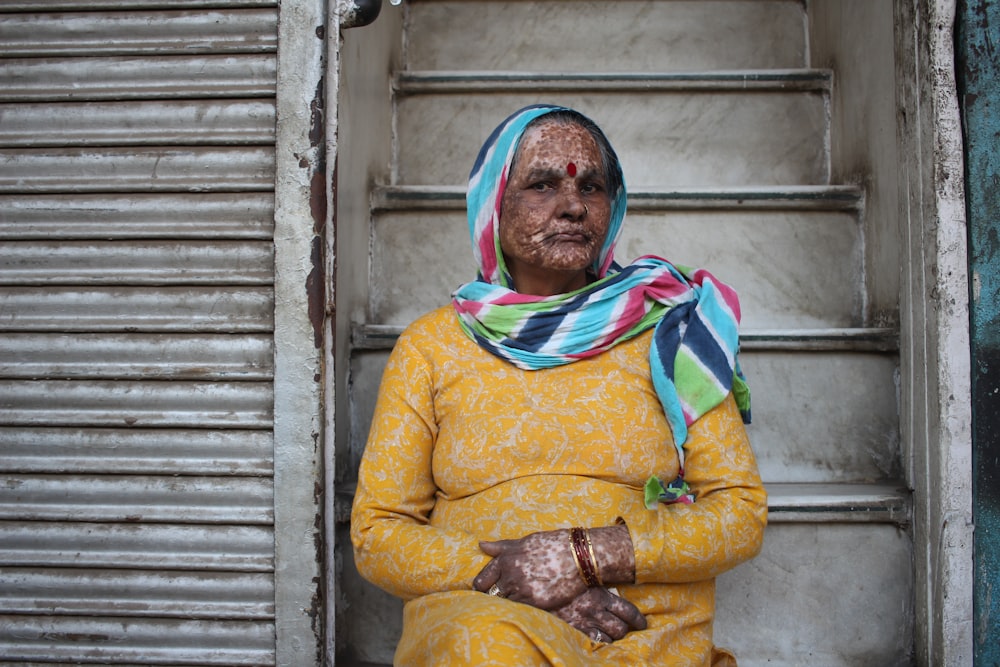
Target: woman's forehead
point(557, 144)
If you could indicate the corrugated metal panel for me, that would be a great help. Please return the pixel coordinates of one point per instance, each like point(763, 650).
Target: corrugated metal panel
point(221, 309)
point(138, 498)
point(154, 403)
point(136, 331)
point(197, 122)
point(133, 356)
point(137, 170)
point(210, 595)
point(205, 31)
point(126, 545)
point(120, 216)
point(73, 5)
point(160, 451)
point(79, 640)
point(136, 78)
point(137, 263)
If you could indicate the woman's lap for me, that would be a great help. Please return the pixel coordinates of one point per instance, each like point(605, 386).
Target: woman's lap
point(470, 628)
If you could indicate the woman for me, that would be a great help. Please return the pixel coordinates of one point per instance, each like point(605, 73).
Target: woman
point(511, 485)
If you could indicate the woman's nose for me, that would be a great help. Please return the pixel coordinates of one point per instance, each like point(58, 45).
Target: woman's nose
point(572, 203)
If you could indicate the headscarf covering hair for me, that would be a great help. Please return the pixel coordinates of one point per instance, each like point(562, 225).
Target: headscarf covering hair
point(695, 317)
point(488, 181)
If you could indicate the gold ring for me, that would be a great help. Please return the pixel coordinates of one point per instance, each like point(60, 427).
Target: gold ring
point(495, 591)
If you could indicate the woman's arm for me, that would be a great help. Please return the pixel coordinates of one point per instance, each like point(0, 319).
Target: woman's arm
point(394, 546)
point(724, 526)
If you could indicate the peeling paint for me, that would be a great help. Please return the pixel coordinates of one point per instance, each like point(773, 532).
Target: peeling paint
point(316, 280)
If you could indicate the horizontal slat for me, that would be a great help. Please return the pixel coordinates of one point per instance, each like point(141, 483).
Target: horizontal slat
point(137, 499)
point(822, 340)
point(136, 356)
point(853, 439)
point(137, 263)
point(796, 198)
point(136, 309)
point(132, 593)
point(136, 451)
point(136, 78)
point(383, 337)
point(838, 503)
point(455, 82)
point(787, 503)
point(739, 246)
point(130, 32)
point(84, 5)
point(131, 545)
point(139, 641)
point(665, 138)
point(119, 404)
point(167, 122)
point(178, 216)
point(132, 170)
point(627, 35)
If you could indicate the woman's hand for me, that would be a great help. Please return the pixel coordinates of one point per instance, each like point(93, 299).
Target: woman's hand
point(537, 569)
point(602, 615)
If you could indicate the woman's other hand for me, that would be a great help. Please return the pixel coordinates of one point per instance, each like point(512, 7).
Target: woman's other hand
point(602, 615)
point(537, 569)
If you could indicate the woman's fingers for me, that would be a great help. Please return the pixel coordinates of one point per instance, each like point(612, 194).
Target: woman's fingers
point(487, 577)
point(496, 548)
point(626, 611)
point(611, 625)
point(602, 615)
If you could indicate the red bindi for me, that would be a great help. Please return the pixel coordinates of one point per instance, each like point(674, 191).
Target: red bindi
point(571, 169)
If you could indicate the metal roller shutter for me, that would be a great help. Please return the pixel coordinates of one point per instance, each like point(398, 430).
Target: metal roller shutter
point(136, 331)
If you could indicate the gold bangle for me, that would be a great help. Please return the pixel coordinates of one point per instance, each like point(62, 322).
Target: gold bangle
point(578, 540)
point(593, 558)
point(572, 550)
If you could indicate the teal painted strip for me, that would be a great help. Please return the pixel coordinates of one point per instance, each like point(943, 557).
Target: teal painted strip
point(978, 51)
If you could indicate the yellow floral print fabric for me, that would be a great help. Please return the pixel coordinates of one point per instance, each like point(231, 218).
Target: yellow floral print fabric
point(465, 447)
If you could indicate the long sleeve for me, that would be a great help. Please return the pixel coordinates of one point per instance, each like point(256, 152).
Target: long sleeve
point(394, 545)
point(724, 526)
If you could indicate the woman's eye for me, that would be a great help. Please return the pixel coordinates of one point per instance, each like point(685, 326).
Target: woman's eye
point(590, 188)
point(540, 187)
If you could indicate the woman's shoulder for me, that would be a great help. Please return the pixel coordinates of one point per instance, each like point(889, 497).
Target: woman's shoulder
point(432, 330)
point(440, 320)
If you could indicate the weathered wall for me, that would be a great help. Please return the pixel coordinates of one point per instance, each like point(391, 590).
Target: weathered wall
point(934, 335)
point(979, 94)
point(853, 38)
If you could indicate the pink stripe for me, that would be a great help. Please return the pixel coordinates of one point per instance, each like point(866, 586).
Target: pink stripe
point(689, 417)
point(635, 308)
point(514, 298)
point(728, 293)
point(666, 287)
point(487, 252)
point(471, 307)
point(487, 238)
point(584, 355)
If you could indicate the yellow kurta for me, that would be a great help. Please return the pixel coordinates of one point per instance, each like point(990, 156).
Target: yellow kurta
point(466, 447)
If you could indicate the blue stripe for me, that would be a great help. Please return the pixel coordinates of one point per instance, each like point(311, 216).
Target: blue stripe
point(698, 339)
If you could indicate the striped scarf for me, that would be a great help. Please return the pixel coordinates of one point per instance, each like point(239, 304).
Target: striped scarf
point(694, 316)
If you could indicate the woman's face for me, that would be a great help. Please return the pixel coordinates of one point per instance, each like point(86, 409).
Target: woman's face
point(555, 210)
